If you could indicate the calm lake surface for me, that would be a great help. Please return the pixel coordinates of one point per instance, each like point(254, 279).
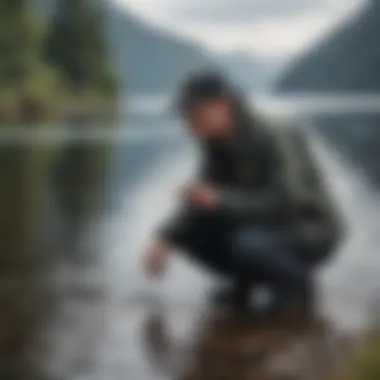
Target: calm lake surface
point(92, 209)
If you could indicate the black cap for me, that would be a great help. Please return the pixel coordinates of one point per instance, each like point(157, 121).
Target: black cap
point(203, 86)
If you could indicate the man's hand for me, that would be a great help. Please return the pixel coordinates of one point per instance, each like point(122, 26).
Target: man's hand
point(156, 258)
point(202, 195)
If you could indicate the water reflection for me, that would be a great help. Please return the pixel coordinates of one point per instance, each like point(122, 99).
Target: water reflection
point(56, 322)
point(23, 257)
point(42, 188)
point(79, 184)
point(235, 346)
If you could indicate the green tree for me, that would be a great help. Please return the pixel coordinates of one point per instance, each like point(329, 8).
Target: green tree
point(77, 46)
point(27, 83)
point(20, 38)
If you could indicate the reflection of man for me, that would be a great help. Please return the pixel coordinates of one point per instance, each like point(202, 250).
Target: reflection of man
point(232, 346)
point(259, 212)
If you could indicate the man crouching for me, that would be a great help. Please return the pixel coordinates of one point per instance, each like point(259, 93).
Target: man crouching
point(259, 212)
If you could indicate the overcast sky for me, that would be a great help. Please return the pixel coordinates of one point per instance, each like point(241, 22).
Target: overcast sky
point(267, 28)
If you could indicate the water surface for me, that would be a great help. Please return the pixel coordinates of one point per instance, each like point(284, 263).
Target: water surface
point(83, 217)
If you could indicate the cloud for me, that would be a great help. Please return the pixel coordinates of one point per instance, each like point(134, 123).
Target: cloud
point(266, 38)
point(227, 11)
point(267, 28)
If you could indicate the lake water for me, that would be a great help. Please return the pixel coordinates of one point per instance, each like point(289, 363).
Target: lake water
point(100, 208)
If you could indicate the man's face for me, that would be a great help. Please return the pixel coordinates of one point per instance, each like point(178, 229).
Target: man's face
point(212, 119)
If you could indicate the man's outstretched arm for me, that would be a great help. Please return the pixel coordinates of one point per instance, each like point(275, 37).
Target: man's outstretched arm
point(175, 230)
point(172, 234)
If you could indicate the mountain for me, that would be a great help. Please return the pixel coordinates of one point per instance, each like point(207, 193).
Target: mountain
point(250, 73)
point(149, 59)
point(346, 60)
point(146, 58)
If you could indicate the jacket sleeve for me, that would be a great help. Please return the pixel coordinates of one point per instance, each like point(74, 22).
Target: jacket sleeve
point(275, 198)
point(262, 202)
point(320, 221)
point(176, 229)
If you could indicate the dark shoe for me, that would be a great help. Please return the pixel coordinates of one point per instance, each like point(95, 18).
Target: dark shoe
point(307, 302)
point(289, 299)
point(233, 296)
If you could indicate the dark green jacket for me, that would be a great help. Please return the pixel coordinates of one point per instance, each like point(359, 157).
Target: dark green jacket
point(267, 175)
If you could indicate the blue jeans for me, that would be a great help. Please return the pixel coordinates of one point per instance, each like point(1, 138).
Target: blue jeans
point(267, 255)
point(249, 255)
